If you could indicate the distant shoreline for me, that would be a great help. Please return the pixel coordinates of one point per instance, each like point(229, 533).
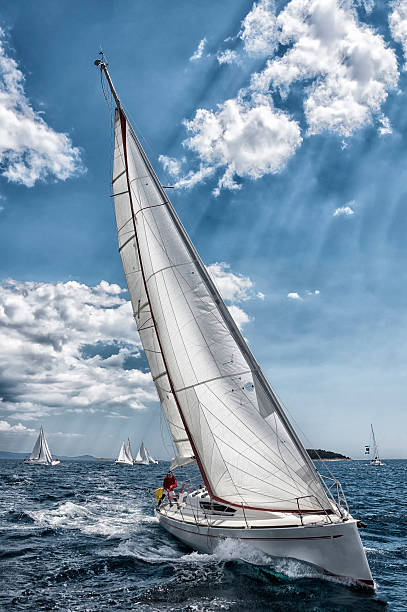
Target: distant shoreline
point(337, 459)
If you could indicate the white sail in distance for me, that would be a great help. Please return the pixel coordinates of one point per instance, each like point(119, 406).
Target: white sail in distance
point(141, 456)
point(219, 406)
point(124, 456)
point(129, 453)
point(150, 458)
point(41, 452)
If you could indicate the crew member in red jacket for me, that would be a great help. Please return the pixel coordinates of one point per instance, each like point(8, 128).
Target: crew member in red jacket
point(169, 484)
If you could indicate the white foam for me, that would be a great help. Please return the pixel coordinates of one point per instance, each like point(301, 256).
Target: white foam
point(108, 518)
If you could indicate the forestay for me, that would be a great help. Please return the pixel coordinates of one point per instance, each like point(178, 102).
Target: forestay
point(219, 406)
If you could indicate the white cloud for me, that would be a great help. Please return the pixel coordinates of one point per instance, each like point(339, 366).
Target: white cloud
point(344, 211)
point(344, 67)
point(227, 57)
point(44, 368)
point(315, 292)
point(195, 177)
point(64, 347)
point(294, 296)
point(171, 165)
point(199, 51)
point(30, 150)
point(349, 65)
point(398, 25)
point(247, 138)
point(385, 127)
point(240, 316)
point(259, 29)
point(232, 287)
point(5, 427)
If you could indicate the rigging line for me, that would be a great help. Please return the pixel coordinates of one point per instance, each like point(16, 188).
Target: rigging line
point(273, 474)
point(201, 412)
point(186, 263)
point(318, 477)
point(140, 132)
point(109, 103)
point(279, 499)
point(204, 382)
point(276, 428)
point(269, 448)
point(258, 438)
point(182, 339)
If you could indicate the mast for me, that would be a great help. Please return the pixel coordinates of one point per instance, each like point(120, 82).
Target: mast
point(281, 464)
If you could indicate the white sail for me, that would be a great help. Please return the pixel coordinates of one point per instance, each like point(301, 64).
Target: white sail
point(141, 456)
point(41, 453)
point(219, 406)
point(129, 453)
point(123, 455)
point(376, 459)
point(37, 447)
point(150, 458)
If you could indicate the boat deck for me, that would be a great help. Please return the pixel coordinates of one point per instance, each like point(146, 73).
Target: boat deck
point(197, 509)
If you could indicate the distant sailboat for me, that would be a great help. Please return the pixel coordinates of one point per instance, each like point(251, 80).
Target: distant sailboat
point(41, 454)
point(125, 457)
point(376, 459)
point(261, 486)
point(142, 456)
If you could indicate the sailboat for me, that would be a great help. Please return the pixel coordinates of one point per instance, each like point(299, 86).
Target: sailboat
point(125, 457)
point(260, 486)
point(142, 456)
point(376, 459)
point(41, 455)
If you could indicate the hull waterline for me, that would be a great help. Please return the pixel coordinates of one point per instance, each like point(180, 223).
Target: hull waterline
point(333, 549)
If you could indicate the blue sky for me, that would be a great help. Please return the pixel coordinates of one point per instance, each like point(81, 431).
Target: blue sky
point(283, 126)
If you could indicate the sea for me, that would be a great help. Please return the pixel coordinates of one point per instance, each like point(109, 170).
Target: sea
point(82, 536)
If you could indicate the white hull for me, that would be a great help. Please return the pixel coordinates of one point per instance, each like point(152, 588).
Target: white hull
point(36, 462)
point(122, 462)
point(376, 462)
point(326, 542)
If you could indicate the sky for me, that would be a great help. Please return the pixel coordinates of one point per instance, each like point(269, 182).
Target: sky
point(282, 126)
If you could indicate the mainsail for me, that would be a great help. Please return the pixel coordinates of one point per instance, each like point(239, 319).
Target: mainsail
point(219, 406)
point(41, 452)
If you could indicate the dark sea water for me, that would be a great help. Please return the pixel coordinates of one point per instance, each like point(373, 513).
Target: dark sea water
point(82, 536)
